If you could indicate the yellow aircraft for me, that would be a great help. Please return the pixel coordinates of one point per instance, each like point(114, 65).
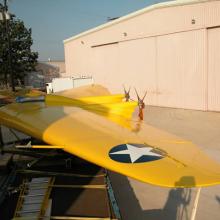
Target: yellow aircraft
point(94, 125)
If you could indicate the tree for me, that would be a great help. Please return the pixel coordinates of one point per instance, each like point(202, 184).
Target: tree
point(15, 49)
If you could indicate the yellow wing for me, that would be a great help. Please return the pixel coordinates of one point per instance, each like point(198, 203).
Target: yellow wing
point(85, 91)
point(144, 153)
point(111, 107)
point(93, 98)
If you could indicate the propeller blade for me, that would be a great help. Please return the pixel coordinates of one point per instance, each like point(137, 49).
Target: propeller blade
point(137, 94)
point(144, 96)
point(124, 89)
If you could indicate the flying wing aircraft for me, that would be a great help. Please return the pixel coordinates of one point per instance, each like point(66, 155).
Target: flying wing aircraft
point(94, 125)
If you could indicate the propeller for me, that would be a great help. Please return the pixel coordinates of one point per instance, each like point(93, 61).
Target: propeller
point(141, 101)
point(127, 93)
point(141, 104)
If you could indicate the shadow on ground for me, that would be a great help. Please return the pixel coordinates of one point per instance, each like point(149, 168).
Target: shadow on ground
point(175, 208)
point(218, 199)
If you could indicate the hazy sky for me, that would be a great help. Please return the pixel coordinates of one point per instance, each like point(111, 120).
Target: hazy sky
point(52, 21)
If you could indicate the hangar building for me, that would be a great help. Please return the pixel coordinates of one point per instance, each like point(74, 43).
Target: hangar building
point(170, 49)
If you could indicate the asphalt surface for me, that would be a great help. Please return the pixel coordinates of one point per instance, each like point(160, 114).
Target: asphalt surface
point(140, 201)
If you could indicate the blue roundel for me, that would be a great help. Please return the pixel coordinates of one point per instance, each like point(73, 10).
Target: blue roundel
point(133, 153)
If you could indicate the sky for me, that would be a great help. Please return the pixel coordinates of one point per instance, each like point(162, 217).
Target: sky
point(53, 21)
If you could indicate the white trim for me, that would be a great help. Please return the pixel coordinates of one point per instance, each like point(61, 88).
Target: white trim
point(136, 13)
point(195, 205)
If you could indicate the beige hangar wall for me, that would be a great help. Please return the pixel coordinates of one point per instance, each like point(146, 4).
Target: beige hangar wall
point(214, 69)
point(171, 50)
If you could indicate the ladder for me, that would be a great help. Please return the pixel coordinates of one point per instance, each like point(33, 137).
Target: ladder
point(33, 199)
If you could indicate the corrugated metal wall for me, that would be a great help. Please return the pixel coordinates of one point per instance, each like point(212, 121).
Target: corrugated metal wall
point(134, 60)
point(137, 66)
point(214, 69)
point(182, 57)
point(174, 75)
point(104, 62)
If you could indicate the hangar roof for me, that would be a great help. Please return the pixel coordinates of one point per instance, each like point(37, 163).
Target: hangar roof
point(137, 13)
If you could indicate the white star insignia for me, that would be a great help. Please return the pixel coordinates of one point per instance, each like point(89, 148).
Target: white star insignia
point(136, 152)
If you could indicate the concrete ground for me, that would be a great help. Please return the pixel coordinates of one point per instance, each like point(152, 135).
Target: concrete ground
point(139, 201)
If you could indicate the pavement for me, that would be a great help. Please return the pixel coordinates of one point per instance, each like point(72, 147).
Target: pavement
point(140, 201)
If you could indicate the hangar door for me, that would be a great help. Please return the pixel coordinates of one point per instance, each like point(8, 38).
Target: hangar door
point(214, 69)
point(103, 63)
point(137, 67)
point(181, 70)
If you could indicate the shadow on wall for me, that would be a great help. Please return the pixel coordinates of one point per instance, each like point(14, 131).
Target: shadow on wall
point(175, 208)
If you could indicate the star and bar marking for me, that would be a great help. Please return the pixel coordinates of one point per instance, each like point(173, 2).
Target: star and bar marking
point(133, 153)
